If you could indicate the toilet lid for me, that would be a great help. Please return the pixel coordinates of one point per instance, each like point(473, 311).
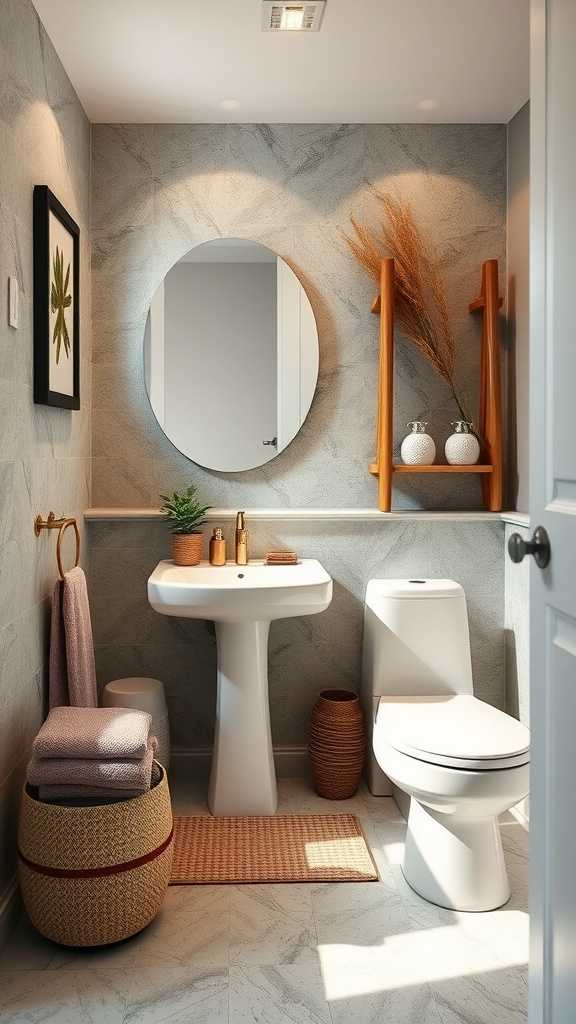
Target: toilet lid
point(454, 730)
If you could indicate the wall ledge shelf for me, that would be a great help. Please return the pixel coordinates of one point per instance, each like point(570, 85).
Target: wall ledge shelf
point(305, 515)
point(516, 518)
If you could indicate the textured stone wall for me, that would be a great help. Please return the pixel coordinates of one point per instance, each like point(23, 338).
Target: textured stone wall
point(44, 452)
point(159, 190)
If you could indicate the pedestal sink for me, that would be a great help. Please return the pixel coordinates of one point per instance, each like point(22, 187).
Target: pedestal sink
point(242, 600)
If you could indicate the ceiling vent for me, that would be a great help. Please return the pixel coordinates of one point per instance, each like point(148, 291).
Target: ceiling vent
point(289, 16)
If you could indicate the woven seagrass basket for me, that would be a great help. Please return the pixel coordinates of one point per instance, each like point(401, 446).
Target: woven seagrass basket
point(337, 744)
point(93, 875)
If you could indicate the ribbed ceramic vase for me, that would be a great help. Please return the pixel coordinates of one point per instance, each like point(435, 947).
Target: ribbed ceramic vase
point(337, 744)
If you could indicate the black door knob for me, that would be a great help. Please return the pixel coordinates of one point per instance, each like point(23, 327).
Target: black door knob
point(538, 546)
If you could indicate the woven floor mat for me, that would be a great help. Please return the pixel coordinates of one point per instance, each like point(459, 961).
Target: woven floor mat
point(279, 848)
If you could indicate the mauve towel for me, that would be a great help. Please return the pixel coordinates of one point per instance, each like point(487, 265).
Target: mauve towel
point(85, 793)
point(72, 669)
point(98, 733)
point(127, 773)
point(81, 796)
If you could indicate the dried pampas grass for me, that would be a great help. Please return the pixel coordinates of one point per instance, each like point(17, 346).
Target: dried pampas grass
point(420, 301)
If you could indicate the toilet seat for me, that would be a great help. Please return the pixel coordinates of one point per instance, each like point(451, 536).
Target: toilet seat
point(451, 730)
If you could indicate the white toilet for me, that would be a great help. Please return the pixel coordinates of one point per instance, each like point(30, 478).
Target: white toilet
point(461, 761)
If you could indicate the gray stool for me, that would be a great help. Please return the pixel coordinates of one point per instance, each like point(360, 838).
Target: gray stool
point(143, 694)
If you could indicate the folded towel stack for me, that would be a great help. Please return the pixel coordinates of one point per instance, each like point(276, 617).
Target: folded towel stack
point(92, 752)
point(281, 558)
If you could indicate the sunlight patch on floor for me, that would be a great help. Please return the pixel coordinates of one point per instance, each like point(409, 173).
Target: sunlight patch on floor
point(408, 959)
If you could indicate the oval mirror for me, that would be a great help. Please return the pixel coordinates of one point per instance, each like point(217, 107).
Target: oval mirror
point(231, 355)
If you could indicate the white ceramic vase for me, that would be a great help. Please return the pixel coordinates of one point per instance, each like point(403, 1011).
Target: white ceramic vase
point(418, 448)
point(462, 447)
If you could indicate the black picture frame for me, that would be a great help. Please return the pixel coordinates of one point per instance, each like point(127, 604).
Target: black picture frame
point(45, 203)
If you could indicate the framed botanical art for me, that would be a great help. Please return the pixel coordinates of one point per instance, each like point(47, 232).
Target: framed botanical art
point(56, 303)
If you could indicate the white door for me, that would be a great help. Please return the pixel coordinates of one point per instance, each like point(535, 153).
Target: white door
point(553, 506)
point(297, 366)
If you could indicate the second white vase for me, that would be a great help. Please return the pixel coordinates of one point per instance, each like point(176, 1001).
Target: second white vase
point(462, 447)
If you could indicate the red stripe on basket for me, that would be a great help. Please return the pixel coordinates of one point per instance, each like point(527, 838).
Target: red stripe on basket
point(111, 869)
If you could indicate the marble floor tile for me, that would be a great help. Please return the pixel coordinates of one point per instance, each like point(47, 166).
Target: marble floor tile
point(330, 898)
point(198, 898)
point(179, 995)
point(63, 997)
point(386, 842)
point(27, 950)
point(272, 924)
point(324, 953)
point(505, 932)
point(296, 796)
point(363, 914)
point(398, 1006)
point(432, 955)
point(374, 994)
point(284, 994)
point(482, 998)
point(120, 956)
point(421, 913)
point(378, 808)
point(184, 936)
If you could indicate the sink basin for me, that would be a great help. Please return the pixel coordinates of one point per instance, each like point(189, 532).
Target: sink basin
point(242, 600)
point(240, 593)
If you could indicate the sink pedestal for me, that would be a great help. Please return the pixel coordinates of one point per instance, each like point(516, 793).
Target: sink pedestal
point(242, 600)
point(243, 778)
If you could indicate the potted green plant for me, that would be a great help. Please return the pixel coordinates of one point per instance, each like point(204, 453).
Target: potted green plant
point(186, 514)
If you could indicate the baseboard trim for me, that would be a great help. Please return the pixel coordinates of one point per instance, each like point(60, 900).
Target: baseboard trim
point(9, 910)
point(291, 762)
point(519, 812)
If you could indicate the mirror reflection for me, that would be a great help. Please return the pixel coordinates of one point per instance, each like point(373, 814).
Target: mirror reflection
point(231, 355)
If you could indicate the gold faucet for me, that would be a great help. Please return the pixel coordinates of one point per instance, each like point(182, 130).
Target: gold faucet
point(241, 537)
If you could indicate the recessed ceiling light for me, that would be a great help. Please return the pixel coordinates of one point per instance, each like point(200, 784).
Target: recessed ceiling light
point(292, 16)
point(427, 104)
point(229, 104)
point(292, 19)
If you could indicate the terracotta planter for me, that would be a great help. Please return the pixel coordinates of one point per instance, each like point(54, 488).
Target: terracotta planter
point(337, 744)
point(187, 548)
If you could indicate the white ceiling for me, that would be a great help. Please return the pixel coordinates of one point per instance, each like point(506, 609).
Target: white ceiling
point(372, 61)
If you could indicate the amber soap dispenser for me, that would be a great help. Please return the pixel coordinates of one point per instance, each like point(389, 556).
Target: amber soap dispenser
point(217, 548)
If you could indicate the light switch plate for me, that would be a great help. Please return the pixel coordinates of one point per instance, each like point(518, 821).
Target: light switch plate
point(13, 301)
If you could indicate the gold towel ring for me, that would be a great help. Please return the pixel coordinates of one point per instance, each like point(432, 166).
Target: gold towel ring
point(61, 532)
point(52, 523)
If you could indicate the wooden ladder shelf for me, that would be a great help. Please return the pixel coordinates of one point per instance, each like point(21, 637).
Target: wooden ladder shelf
point(490, 407)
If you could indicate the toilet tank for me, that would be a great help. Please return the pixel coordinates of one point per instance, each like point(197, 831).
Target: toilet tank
point(416, 642)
